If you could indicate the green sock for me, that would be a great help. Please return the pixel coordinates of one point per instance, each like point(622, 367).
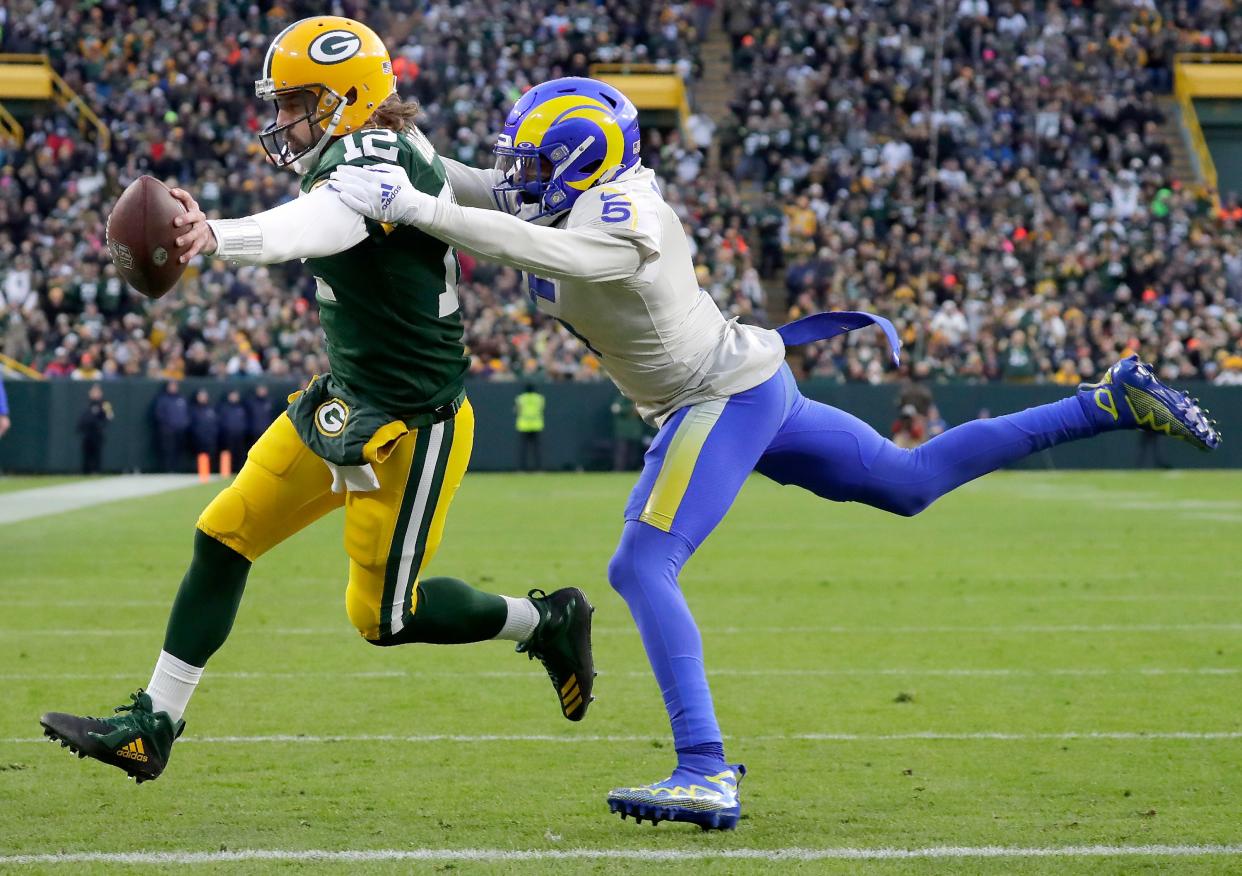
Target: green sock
point(451, 612)
point(206, 603)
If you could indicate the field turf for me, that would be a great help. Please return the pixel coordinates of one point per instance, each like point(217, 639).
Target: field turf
point(13, 483)
point(1040, 664)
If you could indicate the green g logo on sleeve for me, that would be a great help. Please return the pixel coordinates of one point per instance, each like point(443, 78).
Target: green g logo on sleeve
point(331, 417)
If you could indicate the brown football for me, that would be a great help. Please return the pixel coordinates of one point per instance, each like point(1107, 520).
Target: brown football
point(141, 235)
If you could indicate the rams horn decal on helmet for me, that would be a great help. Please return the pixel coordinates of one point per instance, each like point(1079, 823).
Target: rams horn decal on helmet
point(561, 138)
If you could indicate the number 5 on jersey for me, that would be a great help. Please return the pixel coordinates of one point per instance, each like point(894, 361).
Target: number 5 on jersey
point(617, 208)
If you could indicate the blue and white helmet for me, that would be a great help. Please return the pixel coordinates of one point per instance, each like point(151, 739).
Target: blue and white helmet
point(560, 139)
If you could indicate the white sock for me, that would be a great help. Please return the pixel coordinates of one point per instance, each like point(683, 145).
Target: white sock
point(172, 684)
point(522, 620)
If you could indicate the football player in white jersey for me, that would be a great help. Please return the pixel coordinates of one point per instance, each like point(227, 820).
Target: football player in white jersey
point(570, 204)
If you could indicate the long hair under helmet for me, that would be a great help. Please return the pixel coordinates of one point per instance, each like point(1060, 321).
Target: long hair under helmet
point(342, 71)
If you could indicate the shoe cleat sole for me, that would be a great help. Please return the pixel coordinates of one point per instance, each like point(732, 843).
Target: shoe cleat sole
point(641, 812)
point(53, 736)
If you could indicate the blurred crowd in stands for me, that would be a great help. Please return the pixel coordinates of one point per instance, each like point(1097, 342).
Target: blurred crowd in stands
point(1019, 219)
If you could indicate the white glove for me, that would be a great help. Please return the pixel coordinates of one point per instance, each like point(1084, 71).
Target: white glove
point(384, 193)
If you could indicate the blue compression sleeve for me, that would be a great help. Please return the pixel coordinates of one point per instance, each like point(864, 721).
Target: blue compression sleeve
point(836, 455)
point(644, 571)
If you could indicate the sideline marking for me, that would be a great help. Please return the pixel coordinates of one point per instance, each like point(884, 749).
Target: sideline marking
point(780, 854)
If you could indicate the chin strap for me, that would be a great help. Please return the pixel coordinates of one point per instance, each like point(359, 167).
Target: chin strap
point(304, 164)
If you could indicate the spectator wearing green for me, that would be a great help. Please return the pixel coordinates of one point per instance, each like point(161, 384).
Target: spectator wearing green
point(627, 435)
point(529, 407)
point(1160, 204)
point(1019, 363)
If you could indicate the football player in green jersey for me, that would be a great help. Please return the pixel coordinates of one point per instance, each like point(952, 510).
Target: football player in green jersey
point(386, 434)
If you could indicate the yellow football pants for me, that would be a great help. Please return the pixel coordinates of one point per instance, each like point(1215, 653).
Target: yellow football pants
point(391, 534)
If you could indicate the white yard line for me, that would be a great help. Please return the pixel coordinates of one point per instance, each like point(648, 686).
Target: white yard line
point(995, 630)
point(457, 738)
point(1057, 598)
point(43, 501)
point(644, 855)
point(1224, 510)
point(1017, 629)
point(90, 603)
point(912, 672)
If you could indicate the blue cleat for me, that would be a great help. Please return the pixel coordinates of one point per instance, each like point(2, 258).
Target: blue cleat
point(711, 802)
point(1131, 397)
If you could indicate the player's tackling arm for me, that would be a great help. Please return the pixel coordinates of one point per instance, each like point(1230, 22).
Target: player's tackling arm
point(583, 253)
point(553, 253)
point(472, 186)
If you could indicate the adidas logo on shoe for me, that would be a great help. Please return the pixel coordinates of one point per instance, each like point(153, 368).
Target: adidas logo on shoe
point(571, 694)
point(133, 751)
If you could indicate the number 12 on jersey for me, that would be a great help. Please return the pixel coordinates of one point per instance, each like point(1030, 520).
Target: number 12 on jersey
point(372, 146)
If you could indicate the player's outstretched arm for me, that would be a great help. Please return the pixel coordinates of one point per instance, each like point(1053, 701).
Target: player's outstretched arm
point(472, 186)
point(384, 193)
point(312, 226)
point(198, 237)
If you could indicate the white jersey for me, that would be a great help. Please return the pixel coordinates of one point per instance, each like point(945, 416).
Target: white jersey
point(617, 271)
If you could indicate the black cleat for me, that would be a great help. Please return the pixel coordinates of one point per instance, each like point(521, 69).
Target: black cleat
point(562, 643)
point(136, 740)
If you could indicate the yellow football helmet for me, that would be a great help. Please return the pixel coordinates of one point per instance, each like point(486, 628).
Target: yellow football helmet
point(339, 68)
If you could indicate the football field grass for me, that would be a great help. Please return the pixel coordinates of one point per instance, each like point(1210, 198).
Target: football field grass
point(13, 483)
point(1040, 674)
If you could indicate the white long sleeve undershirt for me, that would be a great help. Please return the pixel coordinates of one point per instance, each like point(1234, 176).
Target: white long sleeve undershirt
point(315, 225)
point(472, 186)
point(552, 253)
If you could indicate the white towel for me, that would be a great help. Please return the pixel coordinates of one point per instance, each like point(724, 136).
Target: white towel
point(352, 478)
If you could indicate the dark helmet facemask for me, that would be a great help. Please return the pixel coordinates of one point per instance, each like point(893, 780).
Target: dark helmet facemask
point(319, 104)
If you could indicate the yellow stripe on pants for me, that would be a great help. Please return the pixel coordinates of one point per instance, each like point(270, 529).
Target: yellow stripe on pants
point(683, 454)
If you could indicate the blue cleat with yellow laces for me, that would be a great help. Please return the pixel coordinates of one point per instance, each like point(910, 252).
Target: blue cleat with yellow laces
point(1131, 397)
point(710, 801)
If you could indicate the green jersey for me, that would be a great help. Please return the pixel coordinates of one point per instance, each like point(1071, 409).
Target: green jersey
point(388, 306)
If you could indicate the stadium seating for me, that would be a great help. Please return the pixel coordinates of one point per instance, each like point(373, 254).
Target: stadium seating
point(1055, 234)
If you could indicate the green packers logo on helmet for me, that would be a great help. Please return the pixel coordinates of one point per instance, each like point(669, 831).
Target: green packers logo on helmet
point(335, 46)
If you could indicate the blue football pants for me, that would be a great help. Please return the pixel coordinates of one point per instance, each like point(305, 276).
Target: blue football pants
point(703, 454)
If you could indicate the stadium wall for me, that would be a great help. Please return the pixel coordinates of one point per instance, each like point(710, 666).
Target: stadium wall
point(43, 438)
